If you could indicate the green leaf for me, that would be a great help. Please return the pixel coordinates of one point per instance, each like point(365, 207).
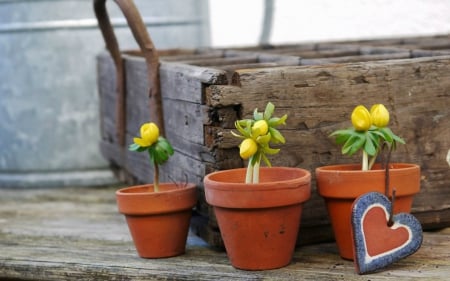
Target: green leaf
point(387, 134)
point(270, 108)
point(154, 155)
point(265, 139)
point(271, 151)
point(377, 134)
point(342, 135)
point(341, 139)
point(242, 122)
point(394, 137)
point(137, 147)
point(398, 139)
point(374, 138)
point(348, 144)
point(253, 159)
point(160, 155)
point(134, 147)
point(257, 115)
point(276, 121)
point(242, 127)
point(357, 145)
point(369, 145)
point(237, 135)
point(248, 127)
point(150, 155)
point(160, 151)
point(266, 160)
point(277, 137)
point(342, 132)
point(165, 145)
point(354, 143)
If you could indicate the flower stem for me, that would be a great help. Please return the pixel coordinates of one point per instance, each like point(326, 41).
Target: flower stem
point(365, 161)
point(256, 170)
point(156, 178)
point(372, 161)
point(249, 174)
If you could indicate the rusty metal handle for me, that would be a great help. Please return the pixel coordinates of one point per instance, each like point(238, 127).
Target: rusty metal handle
point(145, 43)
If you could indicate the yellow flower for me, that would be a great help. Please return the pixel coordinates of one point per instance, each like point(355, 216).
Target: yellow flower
point(380, 115)
point(361, 118)
point(260, 128)
point(149, 135)
point(247, 148)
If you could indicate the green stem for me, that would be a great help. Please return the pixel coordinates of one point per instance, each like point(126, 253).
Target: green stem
point(156, 178)
point(365, 161)
point(249, 174)
point(256, 170)
point(372, 161)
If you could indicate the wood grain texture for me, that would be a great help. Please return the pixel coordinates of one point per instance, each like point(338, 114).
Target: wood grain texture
point(77, 234)
point(201, 102)
point(318, 100)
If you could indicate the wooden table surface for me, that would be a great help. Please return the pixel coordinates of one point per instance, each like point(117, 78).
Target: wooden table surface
point(77, 234)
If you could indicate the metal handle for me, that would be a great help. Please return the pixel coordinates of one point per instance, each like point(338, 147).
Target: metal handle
point(145, 43)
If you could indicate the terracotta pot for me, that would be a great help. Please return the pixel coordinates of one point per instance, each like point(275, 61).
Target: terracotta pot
point(259, 223)
point(340, 185)
point(158, 221)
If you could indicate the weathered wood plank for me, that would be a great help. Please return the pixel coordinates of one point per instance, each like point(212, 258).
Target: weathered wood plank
point(178, 81)
point(277, 49)
point(77, 234)
point(224, 61)
point(358, 58)
point(192, 55)
point(425, 53)
point(406, 84)
point(355, 51)
point(201, 104)
point(106, 86)
point(263, 56)
point(318, 100)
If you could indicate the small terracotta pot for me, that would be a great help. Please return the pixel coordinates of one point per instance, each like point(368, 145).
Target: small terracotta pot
point(259, 223)
point(158, 221)
point(340, 185)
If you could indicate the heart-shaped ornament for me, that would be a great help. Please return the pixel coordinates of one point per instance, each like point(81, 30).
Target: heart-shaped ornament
point(377, 244)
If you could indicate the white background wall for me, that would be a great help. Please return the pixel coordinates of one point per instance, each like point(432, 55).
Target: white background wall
point(239, 22)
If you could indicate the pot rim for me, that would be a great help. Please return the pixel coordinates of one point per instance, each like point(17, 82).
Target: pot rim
point(133, 190)
point(347, 181)
point(136, 200)
point(268, 194)
point(356, 168)
point(299, 175)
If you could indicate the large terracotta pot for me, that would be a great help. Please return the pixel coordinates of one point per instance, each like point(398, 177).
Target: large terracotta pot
point(340, 185)
point(259, 223)
point(158, 221)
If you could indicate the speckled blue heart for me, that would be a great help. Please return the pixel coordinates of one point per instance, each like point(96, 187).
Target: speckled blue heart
point(376, 244)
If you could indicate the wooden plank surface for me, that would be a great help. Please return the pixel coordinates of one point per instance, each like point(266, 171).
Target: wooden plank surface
point(77, 234)
point(319, 99)
point(201, 104)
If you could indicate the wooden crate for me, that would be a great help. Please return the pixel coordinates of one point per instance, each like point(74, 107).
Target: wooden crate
point(317, 85)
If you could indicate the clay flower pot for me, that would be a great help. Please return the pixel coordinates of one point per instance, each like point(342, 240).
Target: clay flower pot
point(259, 223)
point(340, 185)
point(158, 221)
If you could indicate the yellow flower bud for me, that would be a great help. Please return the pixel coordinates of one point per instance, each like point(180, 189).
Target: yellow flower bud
point(380, 115)
point(260, 128)
point(361, 118)
point(149, 135)
point(247, 148)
